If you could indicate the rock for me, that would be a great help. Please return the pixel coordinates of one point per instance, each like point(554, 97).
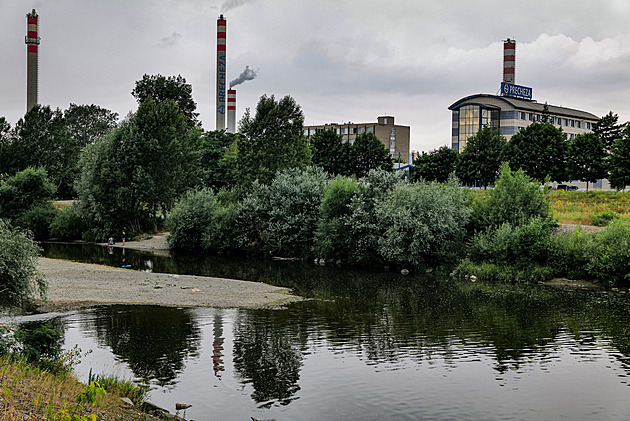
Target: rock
point(127, 401)
point(473, 278)
point(404, 272)
point(181, 406)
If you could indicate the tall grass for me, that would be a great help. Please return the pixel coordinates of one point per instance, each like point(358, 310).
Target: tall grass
point(587, 207)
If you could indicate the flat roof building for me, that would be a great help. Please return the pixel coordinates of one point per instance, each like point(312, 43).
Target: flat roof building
point(393, 136)
point(509, 115)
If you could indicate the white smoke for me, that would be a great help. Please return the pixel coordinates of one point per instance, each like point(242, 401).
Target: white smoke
point(231, 4)
point(248, 74)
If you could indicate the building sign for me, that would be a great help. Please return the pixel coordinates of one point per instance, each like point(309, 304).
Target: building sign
point(517, 91)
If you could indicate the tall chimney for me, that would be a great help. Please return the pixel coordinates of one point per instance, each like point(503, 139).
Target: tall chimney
point(221, 65)
point(32, 42)
point(231, 110)
point(509, 61)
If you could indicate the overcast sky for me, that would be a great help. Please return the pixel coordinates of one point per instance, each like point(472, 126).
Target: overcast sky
point(342, 60)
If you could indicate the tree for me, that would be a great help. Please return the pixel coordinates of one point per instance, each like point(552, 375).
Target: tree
point(436, 165)
point(586, 158)
point(481, 159)
point(272, 140)
point(86, 123)
point(369, 153)
point(6, 139)
point(23, 191)
point(42, 140)
point(540, 150)
point(608, 130)
point(217, 153)
point(161, 88)
point(140, 168)
point(331, 153)
point(619, 164)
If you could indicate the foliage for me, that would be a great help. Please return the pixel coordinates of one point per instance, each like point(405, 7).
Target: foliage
point(481, 159)
point(138, 393)
point(609, 254)
point(86, 123)
point(608, 130)
point(42, 139)
point(604, 218)
point(26, 189)
point(568, 254)
point(18, 278)
point(41, 342)
point(516, 199)
point(586, 158)
point(37, 220)
point(423, 223)
point(575, 207)
point(161, 88)
point(280, 219)
point(67, 224)
point(272, 140)
point(540, 151)
point(190, 218)
point(437, 165)
point(140, 168)
point(217, 154)
point(331, 153)
point(619, 162)
point(368, 153)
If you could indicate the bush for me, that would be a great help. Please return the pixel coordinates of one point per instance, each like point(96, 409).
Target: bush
point(189, 219)
point(423, 223)
point(38, 220)
point(23, 191)
point(67, 224)
point(18, 279)
point(609, 255)
point(516, 199)
point(604, 218)
point(569, 255)
point(41, 342)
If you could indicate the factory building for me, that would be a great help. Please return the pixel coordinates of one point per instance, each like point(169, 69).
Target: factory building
point(393, 136)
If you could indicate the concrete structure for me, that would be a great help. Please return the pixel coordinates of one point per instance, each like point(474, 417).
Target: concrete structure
point(231, 111)
point(393, 136)
point(509, 115)
point(221, 69)
point(32, 43)
point(509, 61)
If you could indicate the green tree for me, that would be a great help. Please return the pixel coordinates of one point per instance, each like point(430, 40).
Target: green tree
point(25, 190)
point(18, 263)
point(540, 150)
point(272, 140)
point(608, 129)
point(217, 154)
point(86, 123)
point(43, 140)
point(586, 158)
point(619, 162)
point(479, 162)
point(140, 168)
point(162, 88)
point(331, 153)
point(436, 165)
point(6, 139)
point(368, 153)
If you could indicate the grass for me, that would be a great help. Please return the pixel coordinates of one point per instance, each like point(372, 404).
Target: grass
point(585, 207)
point(27, 392)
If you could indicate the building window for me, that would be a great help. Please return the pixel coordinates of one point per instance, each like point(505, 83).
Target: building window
point(344, 130)
point(337, 130)
point(305, 132)
point(523, 116)
point(361, 130)
point(369, 129)
point(578, 124)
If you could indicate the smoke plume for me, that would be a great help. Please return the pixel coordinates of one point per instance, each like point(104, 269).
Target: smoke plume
point(231, 4)
point(248, 74)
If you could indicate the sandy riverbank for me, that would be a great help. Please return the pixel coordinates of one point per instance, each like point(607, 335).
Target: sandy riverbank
point(73, 284)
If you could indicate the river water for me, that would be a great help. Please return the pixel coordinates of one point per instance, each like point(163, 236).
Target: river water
point(367, 346)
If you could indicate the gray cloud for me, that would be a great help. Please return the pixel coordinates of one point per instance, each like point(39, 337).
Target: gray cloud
point(231, 4)
point(171, 40)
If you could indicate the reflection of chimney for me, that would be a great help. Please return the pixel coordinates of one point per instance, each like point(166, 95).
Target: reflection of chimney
point(231, 111)
point(509, 61)
point(217, 345)
point(32, 43)
point(221, 65)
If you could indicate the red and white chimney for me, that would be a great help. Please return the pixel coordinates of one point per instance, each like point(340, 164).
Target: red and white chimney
point(231, 111)
point(221, 70)
point(509, 61)
point(32, 44)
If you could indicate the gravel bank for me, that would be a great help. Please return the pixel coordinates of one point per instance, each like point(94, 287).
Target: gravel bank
point(73, 284)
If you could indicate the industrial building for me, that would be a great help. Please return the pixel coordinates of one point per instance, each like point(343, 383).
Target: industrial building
point(512, 110)
point(393, 136)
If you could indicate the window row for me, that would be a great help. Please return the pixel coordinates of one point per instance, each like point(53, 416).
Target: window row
point(340, 130)
point(566, 122)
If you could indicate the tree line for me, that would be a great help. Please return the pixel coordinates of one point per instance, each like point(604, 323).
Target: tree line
point(542, 150)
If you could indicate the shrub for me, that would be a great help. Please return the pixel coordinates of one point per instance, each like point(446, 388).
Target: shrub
point(41, 342)
point(604, 218)
point(423, 223)
point(609, 255)
point(126, 388)
point(38, 220)
point(516, 199)
point(219, 235)
point(190, 218)
point(23, 191)
point(18, 279)
point(67, 224)
point(569, 255)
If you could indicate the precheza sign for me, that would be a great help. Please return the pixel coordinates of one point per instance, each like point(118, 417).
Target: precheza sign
point(507, 89)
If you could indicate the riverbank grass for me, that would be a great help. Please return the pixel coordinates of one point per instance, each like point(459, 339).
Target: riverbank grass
point(594, 207)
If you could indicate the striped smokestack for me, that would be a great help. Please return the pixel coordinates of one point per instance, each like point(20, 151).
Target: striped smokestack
point(221, 65)
point(32, 43)
point(509, 61)
point(231, 111)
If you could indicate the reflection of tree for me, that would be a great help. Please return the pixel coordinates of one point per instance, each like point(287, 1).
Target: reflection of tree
point(153, 340)
point(266, 357)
